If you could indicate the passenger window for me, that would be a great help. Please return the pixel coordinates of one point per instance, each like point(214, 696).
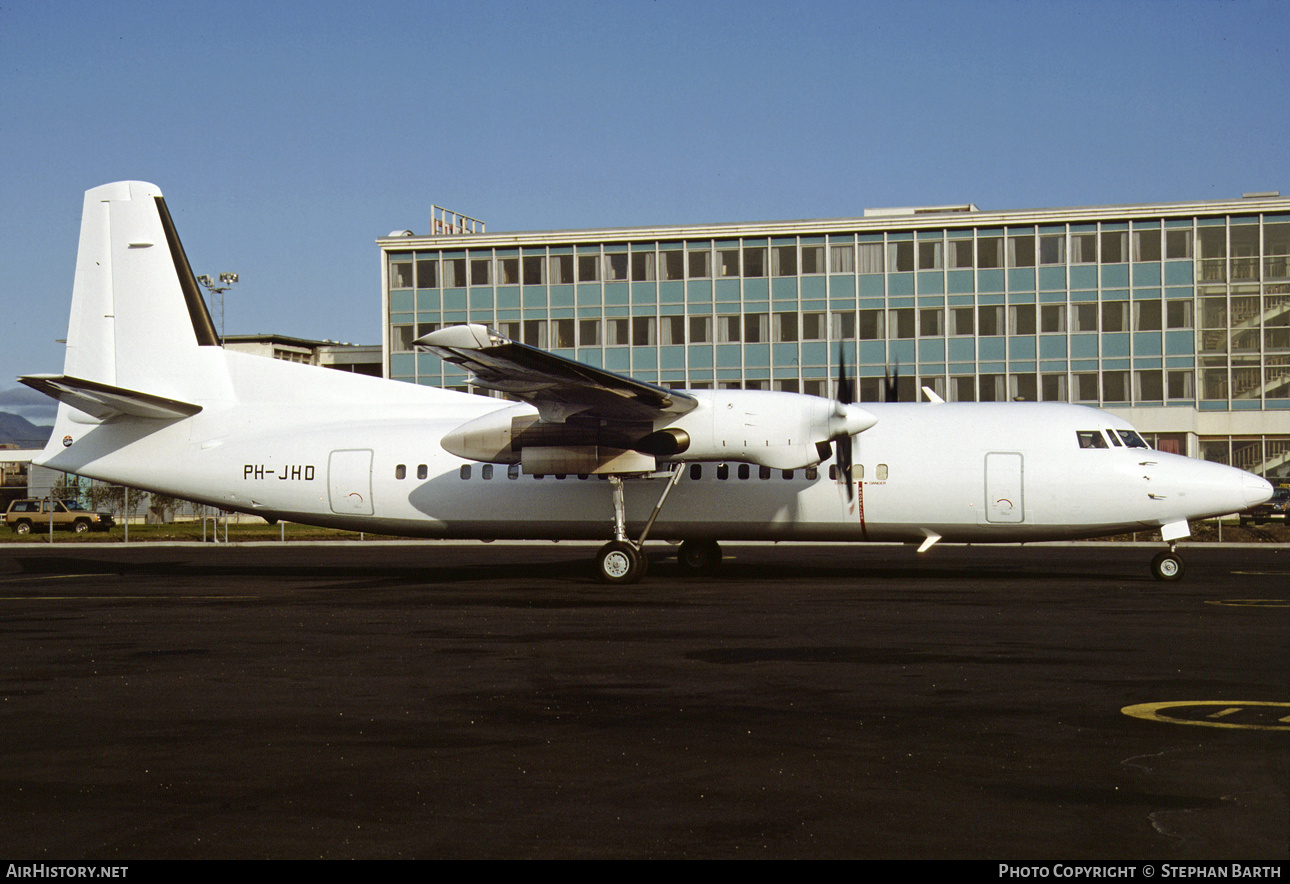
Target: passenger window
point(833, 472)
point(513, 471)
point(763, 473)
point(487, 471)
point(422, 472)
point(881, 472)
point(696, 471)
point(401, 472)
point(743, 471)
point(788, 474)
point(465, 471)
point(723, 471)
point(812, 474)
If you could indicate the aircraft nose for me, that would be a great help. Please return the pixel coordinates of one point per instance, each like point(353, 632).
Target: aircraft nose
point(1256, 490)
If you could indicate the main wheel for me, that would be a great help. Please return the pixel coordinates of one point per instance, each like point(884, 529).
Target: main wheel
point(619, 562)
point(699, 556)
point(1167, 566)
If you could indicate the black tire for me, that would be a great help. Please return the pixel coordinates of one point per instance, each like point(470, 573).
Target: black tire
point(619, 563)
point(699, 556)
point(1167, 566)
point(22, 528)
point(81, 526)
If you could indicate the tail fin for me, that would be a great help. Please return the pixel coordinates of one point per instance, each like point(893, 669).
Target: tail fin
point(138, 320)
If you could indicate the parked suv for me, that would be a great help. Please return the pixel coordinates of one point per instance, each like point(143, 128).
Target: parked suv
point(30, 514)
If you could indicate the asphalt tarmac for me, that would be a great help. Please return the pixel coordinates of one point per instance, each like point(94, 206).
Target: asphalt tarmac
point(468, 700)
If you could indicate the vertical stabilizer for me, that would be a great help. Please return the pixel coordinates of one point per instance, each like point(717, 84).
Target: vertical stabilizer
point(138, 317)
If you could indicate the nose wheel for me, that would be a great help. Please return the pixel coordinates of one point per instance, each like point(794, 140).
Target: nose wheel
point(1167, 566)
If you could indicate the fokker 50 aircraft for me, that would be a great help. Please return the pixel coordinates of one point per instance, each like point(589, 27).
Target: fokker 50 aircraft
point(148, 398)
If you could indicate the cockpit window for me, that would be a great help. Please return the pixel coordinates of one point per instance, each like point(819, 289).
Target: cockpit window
point(1132, 439)
point(1091, 439)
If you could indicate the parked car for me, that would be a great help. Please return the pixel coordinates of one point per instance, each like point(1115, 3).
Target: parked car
point(1268, 510)
point(30, 514)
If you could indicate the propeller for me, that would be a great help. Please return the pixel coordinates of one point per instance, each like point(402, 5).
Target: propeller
point(845, 396)
point(891, 384)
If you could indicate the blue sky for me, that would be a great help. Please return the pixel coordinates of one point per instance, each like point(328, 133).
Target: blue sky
point(288, 136)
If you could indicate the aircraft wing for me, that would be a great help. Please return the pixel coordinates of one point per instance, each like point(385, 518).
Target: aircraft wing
point(560, 388)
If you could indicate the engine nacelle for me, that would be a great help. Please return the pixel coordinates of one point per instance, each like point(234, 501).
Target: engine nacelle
point(785, 431)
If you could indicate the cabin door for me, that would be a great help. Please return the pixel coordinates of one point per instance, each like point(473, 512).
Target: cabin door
point(349, 478)
point(1003, 499)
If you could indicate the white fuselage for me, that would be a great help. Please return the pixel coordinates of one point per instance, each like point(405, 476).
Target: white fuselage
point(316, 446)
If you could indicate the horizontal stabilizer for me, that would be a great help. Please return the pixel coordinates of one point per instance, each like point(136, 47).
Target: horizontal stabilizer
point(104, 401)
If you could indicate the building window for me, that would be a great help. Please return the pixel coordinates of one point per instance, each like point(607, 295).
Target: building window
point(784, 261)
point(401, 274)
point(785, 327)
point(1083, 248)
point(589, 333)
point(900, 256)
point(588, 268)
point(616, 267)
point(1021, 251)
point(509, 269)
point(1021, 319)
point(962, 321)
point(929, 255)
point(427, 274)
point(561, 269)
point(870, 260)
point(728, 328)
point(1148, 315)
point(754, 261)
point(673, 264)
point(700, 329)
point(1178, 243)
point(642, 266)
point(989, 252)
point(700, 264)
point(931, 322)
point(1114, 244)
point(813, 326)
point(812, 260)
point(533, 266)
point(617, 332)
point(729, 262)
point(1052, 249)
point(961, 254)
point(673, 329)
point(479, 271)
point(1146, 245)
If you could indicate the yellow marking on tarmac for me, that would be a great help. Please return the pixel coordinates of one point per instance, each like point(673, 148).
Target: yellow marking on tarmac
point(1259, 711)
point(1251, 603)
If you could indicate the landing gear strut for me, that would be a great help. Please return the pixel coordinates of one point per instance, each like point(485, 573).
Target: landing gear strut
point(622, 560)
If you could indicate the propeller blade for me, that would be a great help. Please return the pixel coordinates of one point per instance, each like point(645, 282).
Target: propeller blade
point(891, 384)
point(846, 396)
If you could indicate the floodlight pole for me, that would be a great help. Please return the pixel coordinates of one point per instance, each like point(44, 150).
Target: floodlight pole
point(227, 280)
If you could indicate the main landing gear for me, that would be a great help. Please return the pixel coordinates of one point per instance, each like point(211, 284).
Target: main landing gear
point(623, 560)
